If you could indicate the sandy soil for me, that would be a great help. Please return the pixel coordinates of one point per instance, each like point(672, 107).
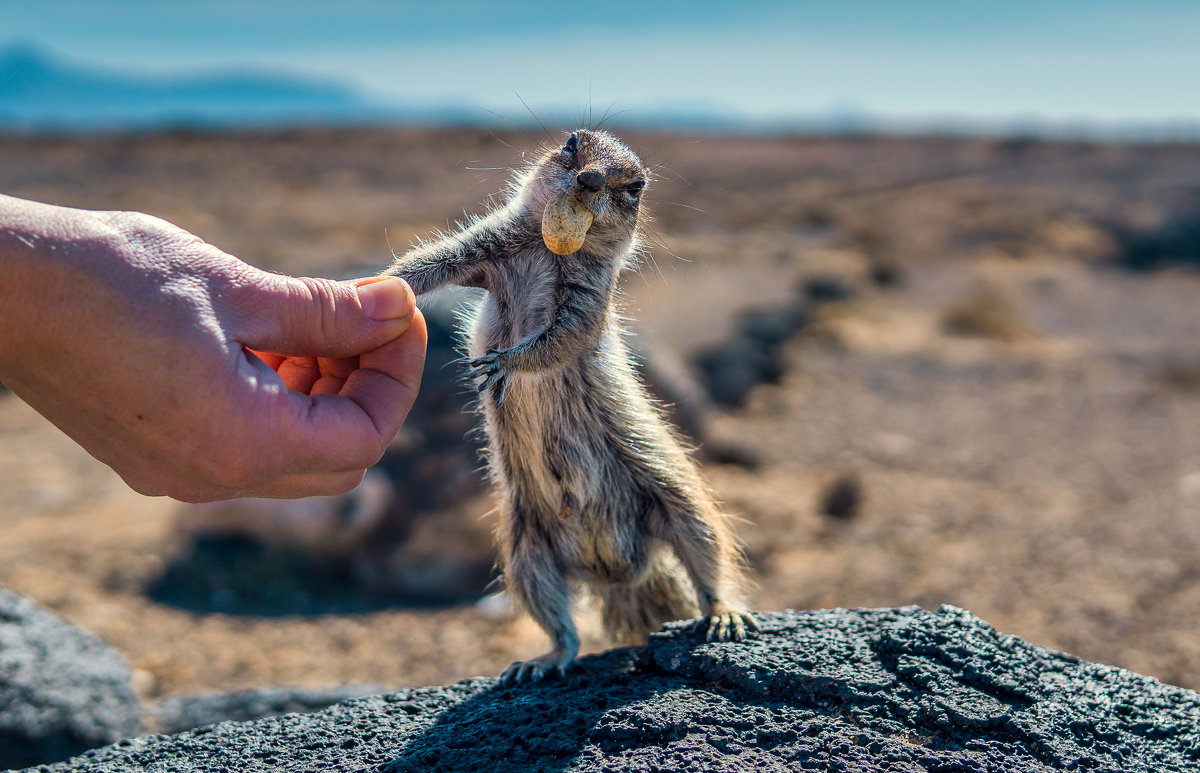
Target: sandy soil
point(1021, 416)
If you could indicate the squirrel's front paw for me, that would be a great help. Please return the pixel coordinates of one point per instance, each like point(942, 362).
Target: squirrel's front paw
point(490, 367)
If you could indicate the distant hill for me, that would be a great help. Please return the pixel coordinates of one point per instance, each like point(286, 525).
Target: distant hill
point(38, 90)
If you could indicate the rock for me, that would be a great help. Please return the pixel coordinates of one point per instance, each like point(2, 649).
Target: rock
point(843, 498)
point(174, 715)
point(753, 353)
point(862, 690)
point(827, 289)
point(732, 368)
point(62, 690)
point(1172, 241)
point(885, 273)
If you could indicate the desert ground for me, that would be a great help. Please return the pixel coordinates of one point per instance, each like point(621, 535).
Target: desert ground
point(988, 394)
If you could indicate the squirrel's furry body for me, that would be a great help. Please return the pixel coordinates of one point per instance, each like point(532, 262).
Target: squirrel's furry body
point(596, 486)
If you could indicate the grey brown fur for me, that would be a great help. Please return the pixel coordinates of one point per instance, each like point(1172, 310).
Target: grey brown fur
point(596, 487)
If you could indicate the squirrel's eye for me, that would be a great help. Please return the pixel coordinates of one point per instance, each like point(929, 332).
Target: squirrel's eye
point(634, 189)
point(572, 144)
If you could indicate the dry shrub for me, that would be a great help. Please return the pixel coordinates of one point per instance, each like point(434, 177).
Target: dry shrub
point(985, 313)
point(1179, 377)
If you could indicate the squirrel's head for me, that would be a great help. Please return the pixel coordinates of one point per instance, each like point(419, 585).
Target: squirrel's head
point(586, 191)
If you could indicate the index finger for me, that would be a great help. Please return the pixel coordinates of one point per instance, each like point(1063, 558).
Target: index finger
point(388, 378)
point(350, 430)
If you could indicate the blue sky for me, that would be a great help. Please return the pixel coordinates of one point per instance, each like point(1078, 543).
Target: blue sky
point(922, 60)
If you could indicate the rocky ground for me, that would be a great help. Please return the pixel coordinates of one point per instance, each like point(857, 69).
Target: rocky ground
point(902, 690)
point(997, 406)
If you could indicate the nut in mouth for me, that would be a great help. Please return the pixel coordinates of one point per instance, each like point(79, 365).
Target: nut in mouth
point(565, 223)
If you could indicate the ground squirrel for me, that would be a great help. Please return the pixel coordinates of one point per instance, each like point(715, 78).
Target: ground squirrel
point(596, 486)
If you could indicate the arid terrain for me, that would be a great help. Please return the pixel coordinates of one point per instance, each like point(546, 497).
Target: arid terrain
point(989, 395)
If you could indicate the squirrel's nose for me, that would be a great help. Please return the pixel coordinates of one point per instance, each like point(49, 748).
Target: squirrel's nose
point(590, 180)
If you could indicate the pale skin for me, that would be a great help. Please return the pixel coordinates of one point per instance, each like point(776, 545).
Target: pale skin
point(191, 373)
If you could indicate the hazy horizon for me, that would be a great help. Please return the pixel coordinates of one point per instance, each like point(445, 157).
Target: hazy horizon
point(924, 63)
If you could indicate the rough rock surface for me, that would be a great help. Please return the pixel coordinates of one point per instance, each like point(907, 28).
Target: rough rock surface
point(175, 715)
point(62, 690)
point(866, 690)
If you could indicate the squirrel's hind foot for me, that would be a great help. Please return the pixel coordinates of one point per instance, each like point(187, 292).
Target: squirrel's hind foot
point(726, 626)
point(551, 665)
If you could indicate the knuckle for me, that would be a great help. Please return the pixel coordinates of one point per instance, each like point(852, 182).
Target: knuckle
point(146, 488)
point(182, 492)
point(177, 486)
point(323, 294)
point(370, 455)
point(244, 290)
point(144, 229)
point(345, 483)
point(173, 486)
point(134, 222)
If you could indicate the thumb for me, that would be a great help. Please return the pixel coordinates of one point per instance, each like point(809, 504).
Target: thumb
point(306, 317)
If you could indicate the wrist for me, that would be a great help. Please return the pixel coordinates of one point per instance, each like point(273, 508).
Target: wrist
point(39, 247)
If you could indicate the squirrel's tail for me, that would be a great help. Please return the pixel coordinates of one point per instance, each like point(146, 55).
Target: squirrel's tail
point(632, 612)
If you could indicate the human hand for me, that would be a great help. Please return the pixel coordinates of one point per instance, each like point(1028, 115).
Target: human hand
point(191, 373)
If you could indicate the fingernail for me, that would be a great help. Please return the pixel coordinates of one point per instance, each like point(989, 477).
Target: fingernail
point(385, 298)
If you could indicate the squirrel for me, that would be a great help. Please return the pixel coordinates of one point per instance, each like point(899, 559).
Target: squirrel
point(596, 487)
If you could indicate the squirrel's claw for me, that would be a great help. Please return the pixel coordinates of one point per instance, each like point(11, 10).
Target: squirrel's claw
point(492, 378)
point(485, 365)
point(492, 371)
point(523, 671)
point(727, 626)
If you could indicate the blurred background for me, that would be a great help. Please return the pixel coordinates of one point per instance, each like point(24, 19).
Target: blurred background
point(1067, 67)
point(923, 290)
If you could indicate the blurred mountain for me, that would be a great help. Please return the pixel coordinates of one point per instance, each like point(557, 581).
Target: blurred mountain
point(38, 90)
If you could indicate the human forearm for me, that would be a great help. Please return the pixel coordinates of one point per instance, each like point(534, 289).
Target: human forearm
point(37, 246)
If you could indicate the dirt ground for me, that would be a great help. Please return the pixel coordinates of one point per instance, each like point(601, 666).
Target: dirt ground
point(1014, 415)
